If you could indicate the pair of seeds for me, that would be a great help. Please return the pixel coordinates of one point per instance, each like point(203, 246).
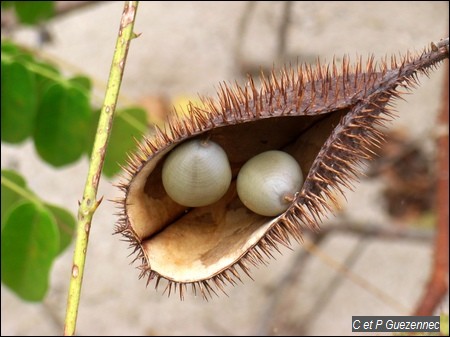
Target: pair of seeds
point(325, 117)
point(197, 173)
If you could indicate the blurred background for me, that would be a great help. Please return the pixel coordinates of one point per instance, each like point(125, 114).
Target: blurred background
point(374, 257)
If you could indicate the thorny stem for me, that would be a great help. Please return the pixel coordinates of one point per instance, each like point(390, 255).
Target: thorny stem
point(89, 202)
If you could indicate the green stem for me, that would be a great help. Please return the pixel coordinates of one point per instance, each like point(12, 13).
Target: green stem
point(23, 192)
point(89, 202)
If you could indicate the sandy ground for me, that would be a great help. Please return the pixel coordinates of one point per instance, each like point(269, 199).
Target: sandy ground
point(185, 49)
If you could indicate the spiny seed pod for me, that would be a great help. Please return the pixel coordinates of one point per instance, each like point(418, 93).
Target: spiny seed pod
point(196, 173)
point(324, 117)
point(268, 182)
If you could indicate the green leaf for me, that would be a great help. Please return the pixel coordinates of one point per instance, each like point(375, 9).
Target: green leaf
point(18, 102)
point(42, 69)
point(33, 12)
point(15, 191)
point(62, 125)
point(19, 56)
point(30, 242)
point(12, 52)
point(47, 76)
point(9, 196)
point(45, 71)
point(129, 124)
point(82, 81)
point(9, 47)
point(7, 4)
point(66, 224)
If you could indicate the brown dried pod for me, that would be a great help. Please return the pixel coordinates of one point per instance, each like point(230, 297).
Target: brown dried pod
point(323, 117)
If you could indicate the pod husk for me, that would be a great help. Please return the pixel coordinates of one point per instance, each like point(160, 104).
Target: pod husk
point(327, 118)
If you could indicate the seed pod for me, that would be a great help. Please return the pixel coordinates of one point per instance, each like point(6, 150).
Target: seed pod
point(324, 117)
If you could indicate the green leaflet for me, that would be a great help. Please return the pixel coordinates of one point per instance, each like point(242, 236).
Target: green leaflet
point(29, 244)
point(19, 99)
point(34, 12)
point(62, 125)
point(129, 127)
point(14, 191)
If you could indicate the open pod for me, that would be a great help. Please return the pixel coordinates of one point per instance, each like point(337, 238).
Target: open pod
point(325, 117)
